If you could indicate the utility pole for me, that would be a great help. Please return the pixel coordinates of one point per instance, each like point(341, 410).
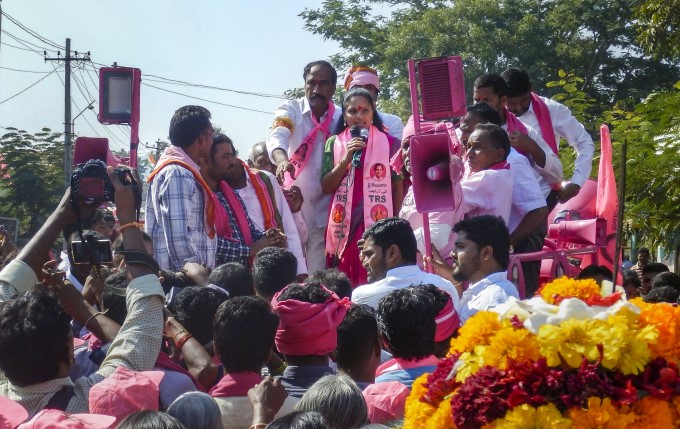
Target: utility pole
point(67, 105)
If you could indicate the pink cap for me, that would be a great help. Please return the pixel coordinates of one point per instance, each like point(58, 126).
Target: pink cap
point(386, 401)
point(125, 392)
point(447, 322)
point(361, 75)
point(49, 419)
point(11, 413)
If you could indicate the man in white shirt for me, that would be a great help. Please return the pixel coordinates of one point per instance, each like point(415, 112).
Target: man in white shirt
point(367, 78)
point(492, 89)
point(295, 145)
point(389, 256)
point(265, 204)
point(531, 109)
point(481, 252)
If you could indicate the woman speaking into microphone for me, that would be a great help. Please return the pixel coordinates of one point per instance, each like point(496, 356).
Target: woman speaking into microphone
point(355, 171)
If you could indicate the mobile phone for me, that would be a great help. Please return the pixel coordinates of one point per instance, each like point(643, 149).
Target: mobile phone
point(97, 251)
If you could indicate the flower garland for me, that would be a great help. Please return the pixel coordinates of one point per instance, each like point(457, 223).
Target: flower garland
point(569, 358)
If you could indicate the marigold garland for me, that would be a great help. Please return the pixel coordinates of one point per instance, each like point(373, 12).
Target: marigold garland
point(564, 287)
point(285, 122)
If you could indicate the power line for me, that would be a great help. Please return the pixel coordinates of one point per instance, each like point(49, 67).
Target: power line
point(25, 71)
point(208, 101)
point(33, 33)
point(198, 85)
point(19, 39)
point(17, 47)
point(27, 88)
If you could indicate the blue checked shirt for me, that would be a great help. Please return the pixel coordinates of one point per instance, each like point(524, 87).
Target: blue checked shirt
point(175, 206)
point(234, 250)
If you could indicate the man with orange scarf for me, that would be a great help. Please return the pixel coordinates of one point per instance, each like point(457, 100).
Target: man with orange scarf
point(180, 211)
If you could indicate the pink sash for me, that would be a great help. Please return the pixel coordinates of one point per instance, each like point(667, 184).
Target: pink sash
point(544, 122)
point(377, 192)
point(303, 153)
point(239, 213)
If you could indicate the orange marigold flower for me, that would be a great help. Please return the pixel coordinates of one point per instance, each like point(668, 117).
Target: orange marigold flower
point(651, 412)
point(477, 331)
point(418, 413)
point(600, 414)
point(564, 287)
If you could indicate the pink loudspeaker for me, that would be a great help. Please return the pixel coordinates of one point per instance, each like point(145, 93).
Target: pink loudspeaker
point(434, 173)
point(442, 87)
point(87, 148)
point(585, 232)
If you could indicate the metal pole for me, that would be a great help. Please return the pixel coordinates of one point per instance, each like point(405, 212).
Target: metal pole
point(619, 220)
point(67, 115)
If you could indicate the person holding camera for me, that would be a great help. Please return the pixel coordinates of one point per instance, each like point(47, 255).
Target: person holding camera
point(180, 208)
point(35, 332)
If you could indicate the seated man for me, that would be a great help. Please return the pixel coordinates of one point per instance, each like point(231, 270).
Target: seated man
point(308, 318)
point(481, 252)
point(35, 373)
point(244, 329)
point(265, 203)
point(406, 318)
point(237, 237)
point(389, 256)
point(273, 269)
point(358, 351)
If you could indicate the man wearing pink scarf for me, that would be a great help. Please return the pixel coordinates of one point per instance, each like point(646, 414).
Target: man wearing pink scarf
point(296, 144)
point(554, 121)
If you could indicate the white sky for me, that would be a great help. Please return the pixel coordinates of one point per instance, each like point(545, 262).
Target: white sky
point(257, 46)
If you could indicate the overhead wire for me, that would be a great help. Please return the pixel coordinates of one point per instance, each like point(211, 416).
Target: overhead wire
point(208, 101)
point(27, 88)
point(33, 33)
point(25, 71)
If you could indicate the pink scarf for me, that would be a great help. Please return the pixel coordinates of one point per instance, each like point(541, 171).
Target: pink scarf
point(544, 122)
point(303, 153)
point(239, 213)
point(503, 165)
point(447, 322)
point(235, 384)
point(377, 192)
point(307, 329)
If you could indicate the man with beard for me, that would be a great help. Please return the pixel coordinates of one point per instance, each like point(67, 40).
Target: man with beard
point(296, 144)
point(389, 256)
point(481, 253)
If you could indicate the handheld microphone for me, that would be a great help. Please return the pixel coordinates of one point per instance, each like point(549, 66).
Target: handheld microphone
point(357, 131)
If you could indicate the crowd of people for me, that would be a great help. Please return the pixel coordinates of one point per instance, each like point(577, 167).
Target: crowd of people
point(290, 289)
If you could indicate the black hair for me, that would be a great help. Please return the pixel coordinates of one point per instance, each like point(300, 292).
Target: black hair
point(494, 81)
point(334, 280)
point(312, 293)
point(233, 277)
point(485, 112)
point(497, 137)
point(358, 336)
point(607, 273)
point(488, 230)
point(94, 217)
point(662, 294)
point(308, 69)
point(273, 269)
point(394, 230)
point(195, 307)
point(220, 139)
point(115, 306)
point(34, 338)
point(243, 333)
point(666, 279)
point(300, 420)
point(517, 80)
point(147, 419)
point(359, 92)
point(187, 124)
point(590, 272)
point(643, 250)
point(655, 267)
point(406, 321)
point(440, 297)
point(631, 276)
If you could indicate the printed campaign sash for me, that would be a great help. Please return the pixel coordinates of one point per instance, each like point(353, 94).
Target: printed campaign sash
point(544, 121)
point(301, 156)
point(377, 191)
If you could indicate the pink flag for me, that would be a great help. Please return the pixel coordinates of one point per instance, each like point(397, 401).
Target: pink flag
point(607, 199)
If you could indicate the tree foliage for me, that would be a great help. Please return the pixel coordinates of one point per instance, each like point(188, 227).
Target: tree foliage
point(658, 24)
point(32, 171)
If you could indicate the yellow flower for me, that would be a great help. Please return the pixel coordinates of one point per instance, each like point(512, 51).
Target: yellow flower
point(417, 413)
point(601, 414)
point(625, 343)
point(570, 341)
point(442, 418)
point(476, 331)
point(509, 343)
point(528, 417)
point(666, 319)
point(652, 413)
point(470, 363)
point(565, 287)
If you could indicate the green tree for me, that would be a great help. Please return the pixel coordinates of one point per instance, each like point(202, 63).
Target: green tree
point(32, 172)
point(658, 25)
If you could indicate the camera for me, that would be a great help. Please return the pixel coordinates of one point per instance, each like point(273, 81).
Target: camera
point(91, 251)
point(90, 182)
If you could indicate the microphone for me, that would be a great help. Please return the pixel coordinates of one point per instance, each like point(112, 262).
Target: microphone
point(357, 131)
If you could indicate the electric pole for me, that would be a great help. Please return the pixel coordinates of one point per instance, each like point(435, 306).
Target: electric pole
point(67, 105)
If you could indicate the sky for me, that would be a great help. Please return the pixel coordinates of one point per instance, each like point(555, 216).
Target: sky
point(254, 46)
